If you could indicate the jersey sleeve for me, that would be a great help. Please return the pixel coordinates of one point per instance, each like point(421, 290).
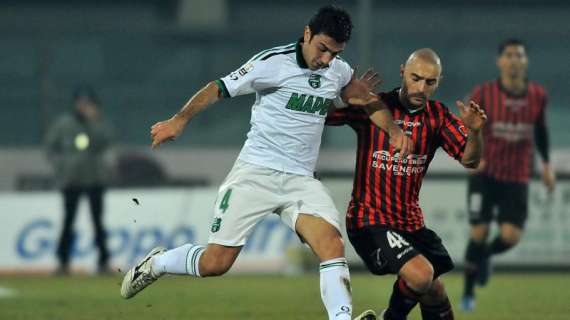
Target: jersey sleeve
point(541, 130)
point(453, 135)
point(349, 115)
point(541, 119)
point(254, 75)
point(346, 73)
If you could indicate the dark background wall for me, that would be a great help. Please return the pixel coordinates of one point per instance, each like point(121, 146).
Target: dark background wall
point(145, 61)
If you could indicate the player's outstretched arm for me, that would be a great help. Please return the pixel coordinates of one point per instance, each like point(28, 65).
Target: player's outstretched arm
point(381, 116)
point(170, 129)
point(474, 119)
point(542, 144)
point(359, 92)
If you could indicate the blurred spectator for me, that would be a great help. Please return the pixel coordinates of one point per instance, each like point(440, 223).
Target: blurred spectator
point(76, 145)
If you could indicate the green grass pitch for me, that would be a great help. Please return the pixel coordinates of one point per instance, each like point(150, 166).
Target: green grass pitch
point(508, 296)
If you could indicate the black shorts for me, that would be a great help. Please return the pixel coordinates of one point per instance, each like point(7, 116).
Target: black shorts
point(385, 250)
point(488, 198)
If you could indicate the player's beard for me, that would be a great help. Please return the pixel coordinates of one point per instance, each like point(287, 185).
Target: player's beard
point(406, 97)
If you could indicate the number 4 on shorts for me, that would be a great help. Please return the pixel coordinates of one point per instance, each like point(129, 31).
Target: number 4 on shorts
point(225, 203)
point(396, 240)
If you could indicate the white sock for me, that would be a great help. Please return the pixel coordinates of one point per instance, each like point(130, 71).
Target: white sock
point(335, 289)
point(181, 260)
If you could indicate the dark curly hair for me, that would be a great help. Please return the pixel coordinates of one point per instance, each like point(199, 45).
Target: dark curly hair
point(333, 21)
point(510, 42)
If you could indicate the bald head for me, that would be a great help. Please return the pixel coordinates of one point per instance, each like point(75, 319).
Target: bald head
point(424, 55)
point(420, 77)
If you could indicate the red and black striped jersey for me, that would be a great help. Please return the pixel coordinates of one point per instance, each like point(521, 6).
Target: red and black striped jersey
point(509, 133)
point(386, 188)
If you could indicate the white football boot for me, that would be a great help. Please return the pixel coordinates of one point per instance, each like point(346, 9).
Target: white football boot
point(366, 315)
point(141, 276)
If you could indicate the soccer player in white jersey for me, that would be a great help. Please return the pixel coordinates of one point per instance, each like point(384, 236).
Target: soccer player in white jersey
point(295, 85)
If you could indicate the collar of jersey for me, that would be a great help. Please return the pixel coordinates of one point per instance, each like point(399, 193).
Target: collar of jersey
point(513, 95)
point(299, 52)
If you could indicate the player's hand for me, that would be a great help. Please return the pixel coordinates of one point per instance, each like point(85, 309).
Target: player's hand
point(359, 91)
point(548, 178)
point(401, 142)
point(166, 130)
point(473, 116)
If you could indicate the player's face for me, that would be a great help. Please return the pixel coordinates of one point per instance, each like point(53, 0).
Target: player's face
point(420, 79)
point(319, 50)
point(513, 62)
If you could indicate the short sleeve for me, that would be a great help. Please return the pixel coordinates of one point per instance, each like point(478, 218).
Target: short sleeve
point(254, 75)
point(453, 135)
point(346, 73)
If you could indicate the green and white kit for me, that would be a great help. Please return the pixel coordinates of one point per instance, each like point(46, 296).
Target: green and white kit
point(274, 170)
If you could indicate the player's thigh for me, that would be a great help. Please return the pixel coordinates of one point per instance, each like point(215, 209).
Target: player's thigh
point(308, 196)
point(248, 194)
point(383, 250)
point(513, 206)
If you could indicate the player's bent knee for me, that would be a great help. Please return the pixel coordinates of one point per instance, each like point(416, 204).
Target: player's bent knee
point(422, 283)
point(510, 239)
point(479, 233)
point(418, 274)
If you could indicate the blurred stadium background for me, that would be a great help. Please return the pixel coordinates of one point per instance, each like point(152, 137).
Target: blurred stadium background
point(145, 58)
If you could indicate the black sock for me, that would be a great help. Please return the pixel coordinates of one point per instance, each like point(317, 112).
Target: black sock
point(441, 311)
point(499, 246)
point(402, 301)
point(474, 253)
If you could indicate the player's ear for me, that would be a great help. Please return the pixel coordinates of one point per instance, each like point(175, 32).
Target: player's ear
point(307, 34)
point(401, 71)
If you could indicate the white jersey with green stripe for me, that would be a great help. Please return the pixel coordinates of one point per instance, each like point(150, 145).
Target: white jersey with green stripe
point(291, 104)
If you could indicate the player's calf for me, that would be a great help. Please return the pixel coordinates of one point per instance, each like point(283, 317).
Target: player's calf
point(435, 304)
point(402, 301)
point(326, 242)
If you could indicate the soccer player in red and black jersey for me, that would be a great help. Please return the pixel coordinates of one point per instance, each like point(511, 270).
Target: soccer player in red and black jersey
point(384, 220)
point(516, 109)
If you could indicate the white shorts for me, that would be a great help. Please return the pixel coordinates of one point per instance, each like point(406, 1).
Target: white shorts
point(251, 192)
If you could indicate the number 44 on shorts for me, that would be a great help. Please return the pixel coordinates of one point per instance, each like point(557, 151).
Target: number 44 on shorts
point(395, 240)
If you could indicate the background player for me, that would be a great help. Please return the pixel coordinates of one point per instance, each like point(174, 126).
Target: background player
point(384, 221)
point(295, 86)
point(517, 117)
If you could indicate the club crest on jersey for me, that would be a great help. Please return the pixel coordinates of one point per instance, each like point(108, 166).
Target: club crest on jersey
point(315, 81)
